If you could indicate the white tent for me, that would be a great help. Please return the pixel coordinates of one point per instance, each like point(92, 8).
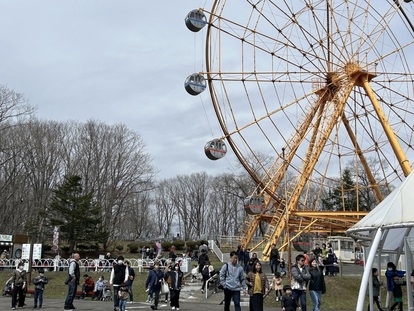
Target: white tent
point(385, 230)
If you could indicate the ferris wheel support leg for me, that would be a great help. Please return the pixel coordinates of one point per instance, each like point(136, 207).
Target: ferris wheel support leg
point(402, 159)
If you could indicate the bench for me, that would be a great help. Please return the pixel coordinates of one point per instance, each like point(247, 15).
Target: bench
point(88, 294)
point(30, 291)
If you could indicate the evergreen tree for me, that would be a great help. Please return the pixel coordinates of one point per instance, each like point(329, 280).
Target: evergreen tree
point(75, 213)
point(343, 196)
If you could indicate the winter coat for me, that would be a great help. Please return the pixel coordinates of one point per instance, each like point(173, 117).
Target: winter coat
point(250, 282)
point(300, 277)
point(317, 280)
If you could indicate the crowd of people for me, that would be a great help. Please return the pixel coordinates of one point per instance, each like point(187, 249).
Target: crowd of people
point(235, 277)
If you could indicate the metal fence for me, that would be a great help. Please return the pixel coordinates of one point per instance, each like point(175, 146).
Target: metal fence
point(59, 264)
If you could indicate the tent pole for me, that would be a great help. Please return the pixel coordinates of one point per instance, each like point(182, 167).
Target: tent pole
point(368, 270)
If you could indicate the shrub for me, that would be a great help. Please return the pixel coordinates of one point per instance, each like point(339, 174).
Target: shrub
point(119, 247)
point(133, 247)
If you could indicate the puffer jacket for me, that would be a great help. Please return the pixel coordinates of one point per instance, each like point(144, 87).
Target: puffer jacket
point(250, 282)
point(300, 277)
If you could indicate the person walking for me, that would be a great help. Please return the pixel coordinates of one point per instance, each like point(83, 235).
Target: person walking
point(389, 275)
point(274, 258)
point(119, 275)
point(39, 282)
point(167, 272)
point(300, 278)
point(72, 281)
point(397, 292)
point(131, 278)
point(289, 302)
point(232, 278)
point(175, 283)
point(202, 259)
point(153, 284)
point(258, 286)
point(18, 286)
point(376, 286)
point(123, 296)
point(206, 274)
point(277, 285)
point(317, 285)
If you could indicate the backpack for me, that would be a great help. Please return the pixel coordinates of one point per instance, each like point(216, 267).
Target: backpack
point(220, 286)
point(205, 272)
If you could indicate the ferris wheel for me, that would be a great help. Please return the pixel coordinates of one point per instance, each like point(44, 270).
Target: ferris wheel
point(325, 89)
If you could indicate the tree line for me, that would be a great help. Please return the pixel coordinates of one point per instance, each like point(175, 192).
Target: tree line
point(98, 184)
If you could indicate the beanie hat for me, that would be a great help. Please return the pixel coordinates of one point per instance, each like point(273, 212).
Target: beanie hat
point(286, 287)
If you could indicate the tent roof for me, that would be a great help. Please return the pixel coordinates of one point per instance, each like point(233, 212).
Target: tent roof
point(395, 215)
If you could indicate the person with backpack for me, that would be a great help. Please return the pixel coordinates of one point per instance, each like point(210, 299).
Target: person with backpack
point(232, 279)
point(153, 284)
point(202, 259)
point(206, 273)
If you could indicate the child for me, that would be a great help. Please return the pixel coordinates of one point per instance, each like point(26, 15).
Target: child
point(288, 301)
point(123, 295)
point(282, 266)
point(376, 284)
point(277, 285)
point(397, 292)
point(39, 281)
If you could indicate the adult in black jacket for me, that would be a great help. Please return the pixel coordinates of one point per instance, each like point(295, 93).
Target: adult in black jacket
point(119, 275)
point(202, 259)
point(317, 285)
point(274, 258)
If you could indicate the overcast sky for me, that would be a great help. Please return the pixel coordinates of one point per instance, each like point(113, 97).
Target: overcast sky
point(115, 62)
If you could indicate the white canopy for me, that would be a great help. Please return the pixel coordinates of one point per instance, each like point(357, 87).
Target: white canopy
point(384, 230)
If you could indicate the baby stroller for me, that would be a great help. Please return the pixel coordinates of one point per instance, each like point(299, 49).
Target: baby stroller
point(107, 293)
point(214, 282)
point(7, 291)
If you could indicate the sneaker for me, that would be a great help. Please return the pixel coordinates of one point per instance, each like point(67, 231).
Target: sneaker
point(202, 291)
point(173, 308)
point(177, 308)
point(166, 300)
point(13, 308)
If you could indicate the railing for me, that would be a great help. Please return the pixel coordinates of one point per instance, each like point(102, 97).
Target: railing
point(51, 264)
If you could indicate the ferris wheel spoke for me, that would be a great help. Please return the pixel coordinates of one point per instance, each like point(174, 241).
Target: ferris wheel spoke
point(286, 78)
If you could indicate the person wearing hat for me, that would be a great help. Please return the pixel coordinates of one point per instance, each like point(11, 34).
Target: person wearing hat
point(39, 281)
point(288, 300)
point(119, 275)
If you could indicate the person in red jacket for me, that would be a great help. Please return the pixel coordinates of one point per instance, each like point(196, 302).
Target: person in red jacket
point(87, 285)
